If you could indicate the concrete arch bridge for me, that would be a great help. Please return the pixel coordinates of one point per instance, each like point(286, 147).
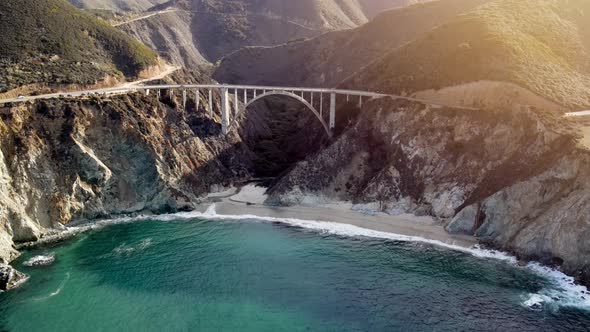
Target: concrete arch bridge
point(236, 98)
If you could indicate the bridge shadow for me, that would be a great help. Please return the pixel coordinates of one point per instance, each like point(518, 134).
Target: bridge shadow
point(280, 131)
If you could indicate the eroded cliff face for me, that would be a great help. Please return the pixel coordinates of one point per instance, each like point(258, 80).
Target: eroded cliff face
point(62, 161)
point(516, 178)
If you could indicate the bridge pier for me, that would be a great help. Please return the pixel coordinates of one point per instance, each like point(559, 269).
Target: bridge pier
point(236, 101)
point(332, 110)
point(184, 100)
point(197, 99)
point(224, 110)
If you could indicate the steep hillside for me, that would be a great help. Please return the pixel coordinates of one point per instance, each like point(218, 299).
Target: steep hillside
point(193, 30)
point(543, 46)
point(517, 179)
point(330, 58)
point(118, 5)
point(171, 34)
point(50, 42)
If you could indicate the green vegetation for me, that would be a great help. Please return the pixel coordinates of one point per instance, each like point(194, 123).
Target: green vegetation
point(52, 42)
point(542, 45)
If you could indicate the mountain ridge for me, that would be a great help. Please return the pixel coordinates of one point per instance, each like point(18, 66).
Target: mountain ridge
point(328, 59)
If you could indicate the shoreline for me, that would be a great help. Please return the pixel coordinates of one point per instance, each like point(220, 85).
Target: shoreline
point(249, 200)
point(246, 203)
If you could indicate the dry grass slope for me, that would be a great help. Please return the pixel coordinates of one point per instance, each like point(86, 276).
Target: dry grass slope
point(542, 45)
point(50, 41)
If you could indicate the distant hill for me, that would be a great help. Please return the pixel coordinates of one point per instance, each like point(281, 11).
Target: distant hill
point(221, 27)
point(171, 34)
point(215, 28)
point(51, 42)
point(541, 45)
point(197, 32)
point(332, 57)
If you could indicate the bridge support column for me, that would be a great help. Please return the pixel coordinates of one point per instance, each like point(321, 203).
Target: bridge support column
point(184, 100)
point(332, 110)
point(147, 92)
point(224, 111)
point(197, 99)
point(236, 101)
point(245, 97)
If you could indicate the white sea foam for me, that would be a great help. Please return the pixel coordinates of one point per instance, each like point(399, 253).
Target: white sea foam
point(40, 260)
point(562, 292)
point(535, 302)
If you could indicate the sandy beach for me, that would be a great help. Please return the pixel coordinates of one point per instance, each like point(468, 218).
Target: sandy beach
point(249, 200)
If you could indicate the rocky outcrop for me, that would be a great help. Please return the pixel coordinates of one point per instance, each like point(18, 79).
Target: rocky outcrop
point(515, 178)
point(68, 160)
point(9, 277)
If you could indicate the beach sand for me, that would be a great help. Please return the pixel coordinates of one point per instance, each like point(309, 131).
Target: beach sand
point(249, 200)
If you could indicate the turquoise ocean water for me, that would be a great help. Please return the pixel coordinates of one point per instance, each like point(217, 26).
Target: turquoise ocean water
point(204, 274)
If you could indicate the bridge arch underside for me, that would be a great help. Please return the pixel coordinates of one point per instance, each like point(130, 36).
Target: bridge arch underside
point(303, 101)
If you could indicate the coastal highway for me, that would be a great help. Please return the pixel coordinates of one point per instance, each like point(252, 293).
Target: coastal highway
point(121, 89)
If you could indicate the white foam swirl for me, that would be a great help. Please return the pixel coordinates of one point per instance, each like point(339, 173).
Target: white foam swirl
point(56, 292)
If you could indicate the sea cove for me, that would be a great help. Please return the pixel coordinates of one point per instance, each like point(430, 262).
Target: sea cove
point(207, 272)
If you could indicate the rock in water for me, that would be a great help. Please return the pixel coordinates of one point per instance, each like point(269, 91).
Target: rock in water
point(10, 278)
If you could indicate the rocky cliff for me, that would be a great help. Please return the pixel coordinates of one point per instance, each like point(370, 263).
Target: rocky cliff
point(516, 178)
point(68, 160)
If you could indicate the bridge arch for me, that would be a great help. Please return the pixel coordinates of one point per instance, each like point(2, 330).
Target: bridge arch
point(291, 95)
